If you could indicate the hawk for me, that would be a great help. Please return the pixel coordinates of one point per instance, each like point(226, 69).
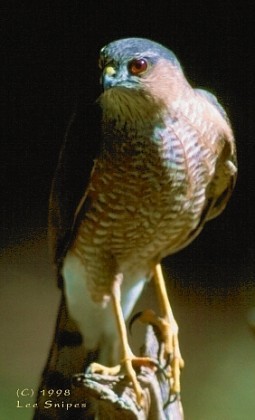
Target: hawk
point(154, 161)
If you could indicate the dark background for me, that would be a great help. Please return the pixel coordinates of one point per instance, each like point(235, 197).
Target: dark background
point(50, 56)
point(50, 52)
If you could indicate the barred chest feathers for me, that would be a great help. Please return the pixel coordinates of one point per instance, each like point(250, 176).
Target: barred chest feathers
point(147, 189)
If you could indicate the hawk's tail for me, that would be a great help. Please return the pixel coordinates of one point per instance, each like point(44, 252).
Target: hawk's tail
point(67, 357)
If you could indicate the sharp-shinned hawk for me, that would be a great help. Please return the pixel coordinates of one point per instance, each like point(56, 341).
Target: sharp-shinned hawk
point(137, 186)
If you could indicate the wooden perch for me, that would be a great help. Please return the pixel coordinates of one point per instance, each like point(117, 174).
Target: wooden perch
point(112, 397)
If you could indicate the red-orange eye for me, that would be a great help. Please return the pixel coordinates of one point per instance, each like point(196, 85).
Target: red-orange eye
point(138, 66)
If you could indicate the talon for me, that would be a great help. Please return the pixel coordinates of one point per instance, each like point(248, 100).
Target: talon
point(145, 361)
point(168, 329)
point(132, 320)
point(104, 370)
point(129, 361)
point(171, 399)
point(169, 337)
point(127, 364)
point(168, 332)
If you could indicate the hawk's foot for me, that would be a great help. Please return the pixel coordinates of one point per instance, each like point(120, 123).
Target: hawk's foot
point(104, 370)
point(127, 366)
point(168, 336)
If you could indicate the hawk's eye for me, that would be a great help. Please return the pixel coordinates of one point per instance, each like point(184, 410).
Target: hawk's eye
point(137, 66)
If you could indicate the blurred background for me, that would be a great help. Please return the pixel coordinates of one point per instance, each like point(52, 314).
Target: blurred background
point(50, 57)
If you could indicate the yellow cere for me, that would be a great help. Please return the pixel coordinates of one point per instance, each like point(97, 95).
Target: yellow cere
point(109, 71)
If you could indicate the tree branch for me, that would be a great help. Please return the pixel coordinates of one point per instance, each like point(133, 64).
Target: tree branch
point(112, 397)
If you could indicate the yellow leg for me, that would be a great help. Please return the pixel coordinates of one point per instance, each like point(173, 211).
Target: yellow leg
point(127, 353)
point(128, 358)
point(170, 329)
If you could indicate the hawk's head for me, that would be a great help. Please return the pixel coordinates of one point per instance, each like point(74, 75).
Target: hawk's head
point(141, 64)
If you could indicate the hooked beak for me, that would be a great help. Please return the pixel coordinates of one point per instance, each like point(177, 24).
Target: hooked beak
point(108, 79)
point(112, 77)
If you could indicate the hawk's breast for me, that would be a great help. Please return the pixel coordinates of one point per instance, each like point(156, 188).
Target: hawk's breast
point(146, 194)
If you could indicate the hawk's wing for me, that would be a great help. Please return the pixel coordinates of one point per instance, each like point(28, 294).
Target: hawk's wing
point(223, 181)
point(72, 175)
point(222, 184)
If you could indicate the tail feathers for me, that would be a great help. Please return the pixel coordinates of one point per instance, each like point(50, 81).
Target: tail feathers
point(67, 357)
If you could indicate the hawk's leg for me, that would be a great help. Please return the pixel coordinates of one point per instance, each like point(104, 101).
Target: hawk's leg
point(129, 360)
point(168, 329)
